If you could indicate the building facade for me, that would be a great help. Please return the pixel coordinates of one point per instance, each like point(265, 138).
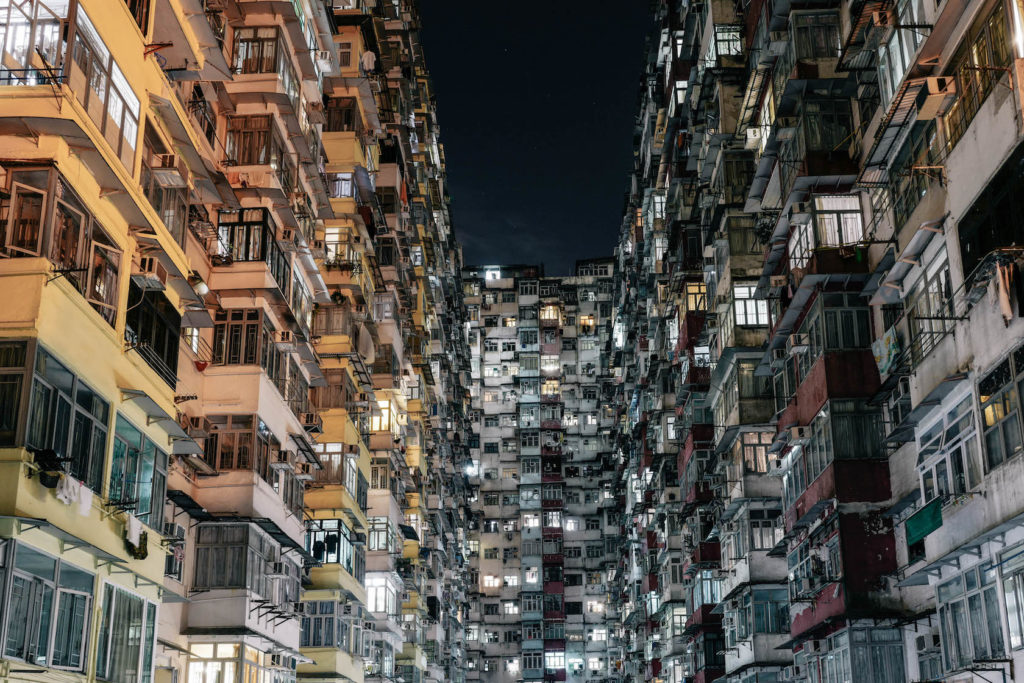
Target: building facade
point(815, 346)
point(235, 378)
point(542, 535)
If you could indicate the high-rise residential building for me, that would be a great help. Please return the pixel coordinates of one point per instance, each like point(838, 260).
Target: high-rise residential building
point(258, 421)
point(816, 346)
point(234, 409)
point(541, 539)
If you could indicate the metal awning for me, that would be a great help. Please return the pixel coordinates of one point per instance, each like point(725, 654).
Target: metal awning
point(890, 287)
point(185, 146)
point(179, 440)
point(952, 558)
point(301, 442)
point(409, 533)
point(68, 541)
point(278, 534)
point(188, 505)
point(893, 129)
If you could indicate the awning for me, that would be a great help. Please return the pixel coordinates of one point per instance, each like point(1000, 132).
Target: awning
point(183, 145)
point(188, 505)
point(890, 288)
point(181, 443)
point(893, 129)
point(68, 541)
point(924, 521)
point(409, 533)
point(971, 547)
point(278, 534)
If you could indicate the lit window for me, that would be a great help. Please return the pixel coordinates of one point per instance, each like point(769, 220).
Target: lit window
point(491, 581)
point(750, 311)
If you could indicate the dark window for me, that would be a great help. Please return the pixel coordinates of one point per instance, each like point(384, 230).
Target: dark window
point(153, 328)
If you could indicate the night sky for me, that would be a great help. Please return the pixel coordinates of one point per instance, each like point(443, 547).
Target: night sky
point(536, 103)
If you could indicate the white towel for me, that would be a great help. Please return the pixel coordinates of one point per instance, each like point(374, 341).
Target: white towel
point(84, 500)
point(134, 529)
point(67, 489)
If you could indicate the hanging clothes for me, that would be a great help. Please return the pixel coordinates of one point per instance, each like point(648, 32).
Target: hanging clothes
point(67, 489)
point(133, 530)
point(1003, 284)
point(368, 61)
point(84, 500)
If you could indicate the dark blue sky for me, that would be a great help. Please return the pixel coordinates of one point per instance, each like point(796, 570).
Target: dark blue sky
point(536, 103)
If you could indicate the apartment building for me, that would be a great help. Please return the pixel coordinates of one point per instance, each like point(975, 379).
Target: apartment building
point(540, 535)
point(815, 346)
point(234, 365)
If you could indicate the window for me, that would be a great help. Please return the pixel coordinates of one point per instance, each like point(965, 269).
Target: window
point(750, 312)
point(532, 602)
point(509, 607)
point(253, 141)
point(1012, 568)
point(331, 541)
point(66, 416)
point(324, 626)
point(491, 581)
point(969, 617)
point(33, 29)
point(948, 457)
point(381, 596)
point(103, 90)
point(593, 523)
point(533, 660)
point(511, 579)
point(999, 395)
point(755, 450)
point(138, 474)
point(153, 329)
point(978, 67)
point(241, 442)
point(256, 50)
point(530, 465)
point(838, 220)
point(554, 660)
point(765, 533)
point(126, 638)
point(44, 217)
point(48, 609)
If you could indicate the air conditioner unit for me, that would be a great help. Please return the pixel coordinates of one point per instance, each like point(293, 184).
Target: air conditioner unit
point(281, 461)
point(277, 570)
point(323, 57)
point(778, 42)
point(199, 427)
point(754, 135)
point(798, 343)
point(935, 96)
point(318, 248)
point(149, 274)
point(304, 471)
point(799, 434)
point(298, 607)
point(309, 419)
point(170, 170)
point(779, 356)
point(287, 239)
point(174, 531)
point(778, 280)
point(884, 19)
point(285, 340)
point(815, 645)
